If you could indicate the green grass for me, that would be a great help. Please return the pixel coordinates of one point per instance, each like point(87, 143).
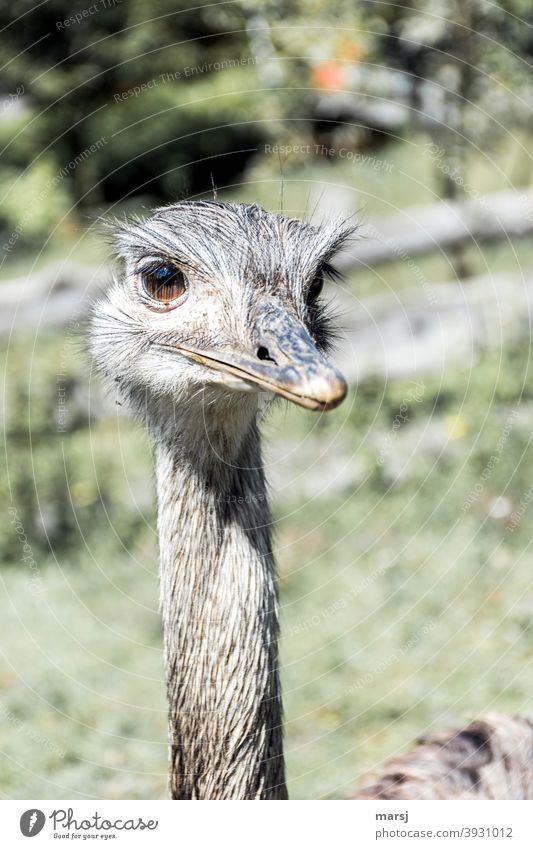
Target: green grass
point(403, 611)
point(82, 706)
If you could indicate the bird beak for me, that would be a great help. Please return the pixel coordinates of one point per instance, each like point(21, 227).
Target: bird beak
point(285, 361)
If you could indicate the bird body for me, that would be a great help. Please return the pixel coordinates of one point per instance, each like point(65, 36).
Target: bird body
point(489, 759)
point(216, 312)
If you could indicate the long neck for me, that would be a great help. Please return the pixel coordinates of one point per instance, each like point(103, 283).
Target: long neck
point(220, 615)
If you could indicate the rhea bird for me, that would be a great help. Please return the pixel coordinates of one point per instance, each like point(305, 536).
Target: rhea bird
point(216, 312)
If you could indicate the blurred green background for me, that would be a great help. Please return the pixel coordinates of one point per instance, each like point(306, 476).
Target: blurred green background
point(405, 577)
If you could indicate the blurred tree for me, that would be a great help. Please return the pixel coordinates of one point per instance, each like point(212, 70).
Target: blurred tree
point(120, 97)
point(122, 100)
point(469, 65)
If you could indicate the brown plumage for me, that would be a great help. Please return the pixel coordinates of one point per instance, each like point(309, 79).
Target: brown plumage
point(492, 758)
point(216, 312)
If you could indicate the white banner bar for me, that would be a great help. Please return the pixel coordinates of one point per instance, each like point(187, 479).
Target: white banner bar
point(262, 825)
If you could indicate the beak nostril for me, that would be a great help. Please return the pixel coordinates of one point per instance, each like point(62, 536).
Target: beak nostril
point(263, 354)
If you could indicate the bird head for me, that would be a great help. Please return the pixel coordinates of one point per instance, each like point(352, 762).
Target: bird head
point(221, 301)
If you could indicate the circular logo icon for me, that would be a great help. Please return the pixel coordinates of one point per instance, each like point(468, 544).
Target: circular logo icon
point(32, 822)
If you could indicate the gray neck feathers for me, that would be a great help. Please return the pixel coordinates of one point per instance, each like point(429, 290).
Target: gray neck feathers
point(220, 610)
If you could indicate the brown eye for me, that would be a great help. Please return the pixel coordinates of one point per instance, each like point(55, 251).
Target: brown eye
point(315, 288)
point(164, 283)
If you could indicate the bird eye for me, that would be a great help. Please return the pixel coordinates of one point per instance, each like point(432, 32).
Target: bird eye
point(315, 288)
point(163, 283)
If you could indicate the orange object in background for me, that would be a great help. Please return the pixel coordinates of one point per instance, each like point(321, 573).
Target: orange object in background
point(328, 75)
